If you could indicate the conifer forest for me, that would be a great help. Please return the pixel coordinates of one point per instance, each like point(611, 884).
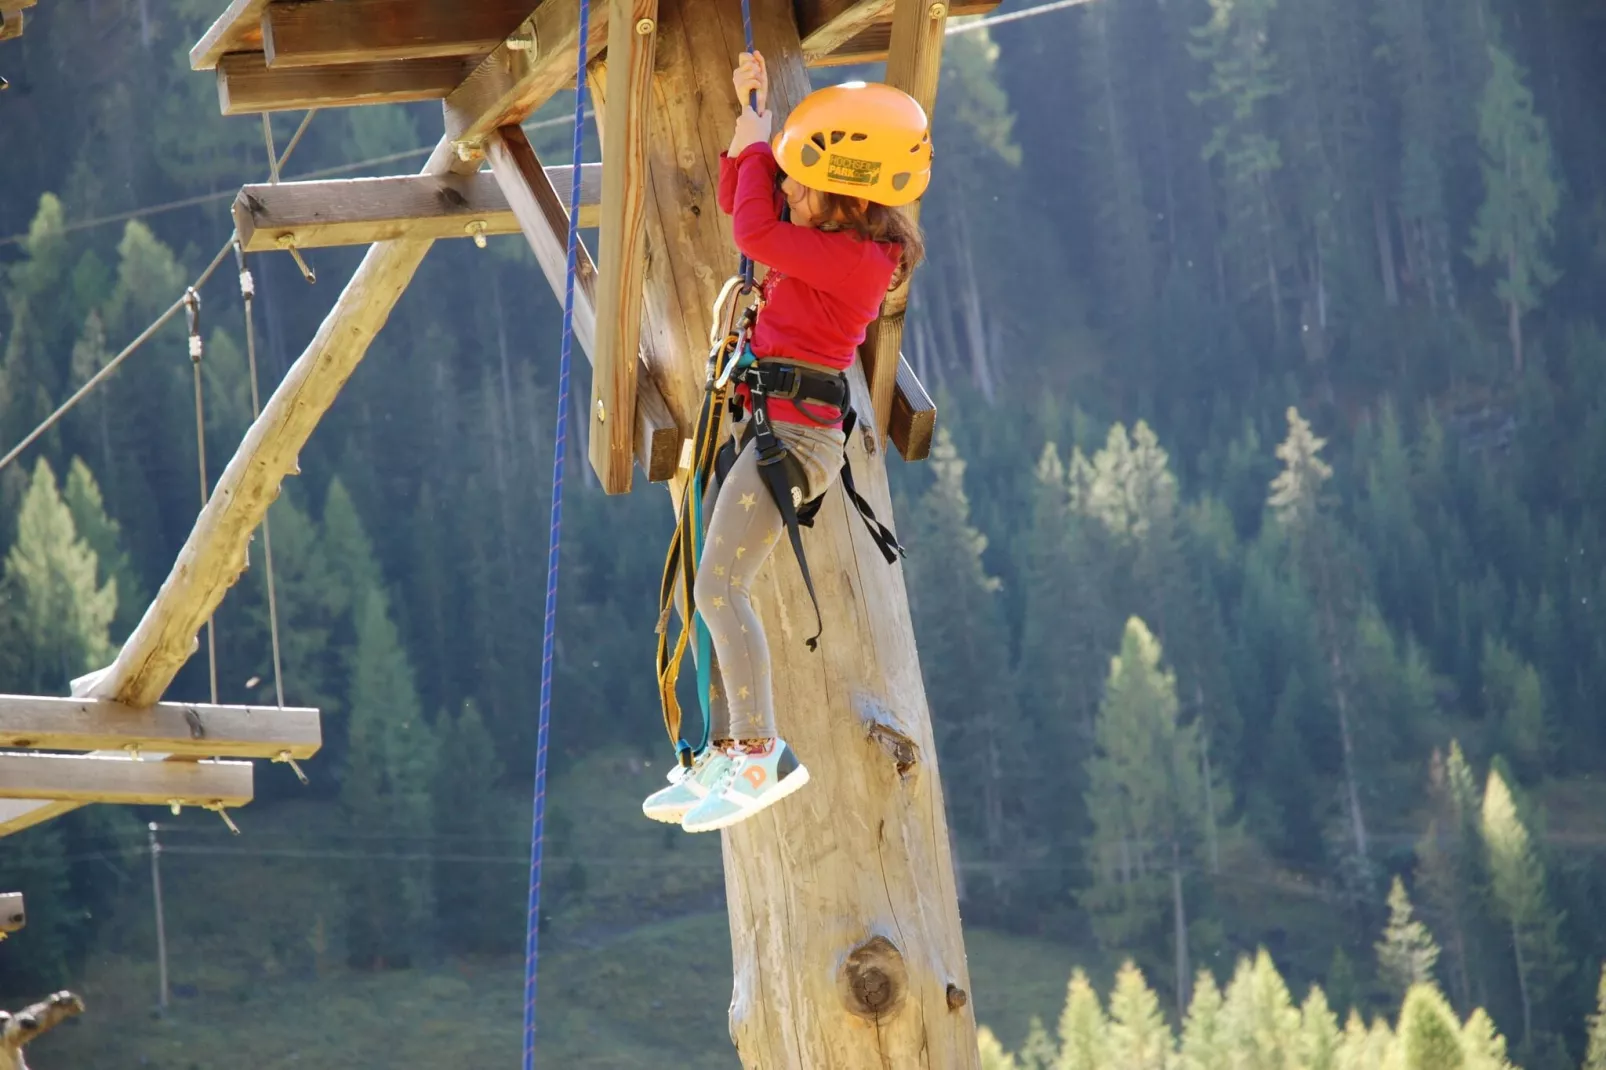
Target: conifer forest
point(1256, 570)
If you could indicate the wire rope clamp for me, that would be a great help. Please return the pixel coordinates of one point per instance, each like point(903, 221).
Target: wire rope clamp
point(192, 316)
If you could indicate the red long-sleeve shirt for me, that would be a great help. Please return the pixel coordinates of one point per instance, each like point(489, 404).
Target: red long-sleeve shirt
point(823, 287)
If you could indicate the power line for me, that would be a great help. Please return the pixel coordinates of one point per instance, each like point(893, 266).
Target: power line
point(230, 194)
point(1012, 16)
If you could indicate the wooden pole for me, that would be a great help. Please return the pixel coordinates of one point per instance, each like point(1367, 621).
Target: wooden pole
point(844, 919)
point(161, 926)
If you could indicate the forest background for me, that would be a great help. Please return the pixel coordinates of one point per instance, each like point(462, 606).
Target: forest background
point(1267, 340)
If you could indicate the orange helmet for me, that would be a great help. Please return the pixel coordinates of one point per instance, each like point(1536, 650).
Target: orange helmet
point(860, 140)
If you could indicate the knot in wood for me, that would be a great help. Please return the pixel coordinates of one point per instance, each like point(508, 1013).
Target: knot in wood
point(957, 997)
point(874, 980)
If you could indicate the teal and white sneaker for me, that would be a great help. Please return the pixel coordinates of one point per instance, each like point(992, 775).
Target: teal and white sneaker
point(747, 784)
point(687, 787)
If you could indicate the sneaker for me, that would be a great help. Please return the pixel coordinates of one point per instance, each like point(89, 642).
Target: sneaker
point(687, 787)
point(749, 783)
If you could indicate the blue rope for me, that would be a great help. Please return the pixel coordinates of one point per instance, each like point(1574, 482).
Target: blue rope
point(533, 922)
point(746, 266)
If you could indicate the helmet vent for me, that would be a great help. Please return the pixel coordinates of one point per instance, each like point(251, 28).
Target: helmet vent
point(900, 180)
point(810, 155)
point(837, 135)
point(819, 139)
point(860, 137)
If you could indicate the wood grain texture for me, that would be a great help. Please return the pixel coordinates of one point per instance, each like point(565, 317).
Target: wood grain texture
point(91, 778)
point(914, 415)
point(201, 731)
point(827, 25)
point(238, 29)
point(8, 6)
point(311, 33)
point(214, 554)
point(871, 43)
point(245, 83)
point(544, 220)
point(11, 25)
point(358, 211)
point(849, 883)
point(507, 85)
point(626, 124)
point(914, 61)
point(13, 912)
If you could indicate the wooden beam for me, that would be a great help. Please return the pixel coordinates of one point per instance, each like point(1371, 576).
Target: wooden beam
point(9, 6)
point(13, 913)
point(624, 118)
point(245, 84)
point(238, 29)
point(913, 65)
point(93, 778)
point(510, 83)
point(357, 211)
point(214, 554)
point(311, 33)
point(11, 25)
point(544, 219)
point(914, 415)
point(827, 25)
point(201, 731)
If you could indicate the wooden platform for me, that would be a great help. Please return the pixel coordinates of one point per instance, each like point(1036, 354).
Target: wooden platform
point(12, 19)
point(273, 54)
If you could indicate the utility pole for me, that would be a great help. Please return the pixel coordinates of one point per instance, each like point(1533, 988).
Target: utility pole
point(161, 928)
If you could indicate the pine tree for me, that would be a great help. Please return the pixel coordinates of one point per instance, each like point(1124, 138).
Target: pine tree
point(1038, 1053)
point(1138, 1037)
point(1318, 1033)
point(1429, 1035)
point(1203, 1045)
point(1406, 954)
point(1447, 864)
point(1484, 1047)
point(477, 904)
point(993, 1055)
point(1299, 502)
point(1522, 192)
point(1145, 798)
point(1083, 1029)
point(1260, 1023)
point(965, 654)
point(386, 789)
point(103, 535)
point(1517, 880)
point(1595, 1053)
point(52, 596)
point(1514, 705)
point(1341, 986)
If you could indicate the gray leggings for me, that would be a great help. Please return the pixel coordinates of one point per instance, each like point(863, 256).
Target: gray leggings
point(742, 526)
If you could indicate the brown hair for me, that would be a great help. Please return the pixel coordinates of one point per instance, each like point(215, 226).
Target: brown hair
point(878, 223)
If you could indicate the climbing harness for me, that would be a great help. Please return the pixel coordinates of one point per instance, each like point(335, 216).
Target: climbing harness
point(559, 450)
point(732, 363)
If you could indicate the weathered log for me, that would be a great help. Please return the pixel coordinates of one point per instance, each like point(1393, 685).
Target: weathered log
point(20, 1029)
point(844, 921)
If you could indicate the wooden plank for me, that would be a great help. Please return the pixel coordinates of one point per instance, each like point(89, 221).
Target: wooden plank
point(914, 415)
point(13, 912)
point(201, 731)
point(8, 6)
point(311, 33)
point(214, 554)
point(625, 124)
point(245, 84)
point(827, 25)
point(913, 65)
point(238, 29)
point(544, 219)
point(509, 84)
point(92, 778)
point(11, 25)
point(357, 211)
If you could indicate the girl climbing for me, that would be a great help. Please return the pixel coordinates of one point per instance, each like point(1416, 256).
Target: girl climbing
point(820, 210)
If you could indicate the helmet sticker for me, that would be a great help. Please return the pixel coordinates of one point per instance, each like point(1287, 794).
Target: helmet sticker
point(853, 172)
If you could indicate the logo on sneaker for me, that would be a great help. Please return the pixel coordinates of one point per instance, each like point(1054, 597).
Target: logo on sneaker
point(755, 775)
